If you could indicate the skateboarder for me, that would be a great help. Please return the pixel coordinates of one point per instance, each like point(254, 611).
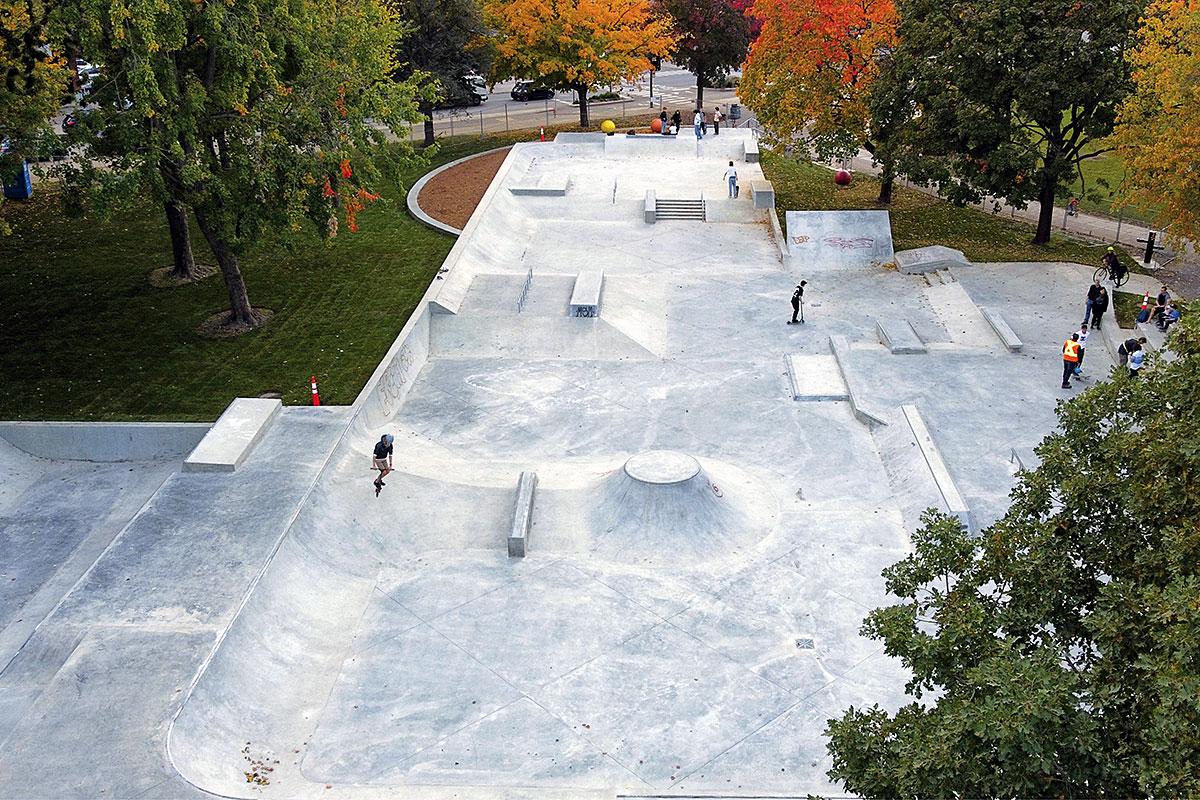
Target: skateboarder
point(382, 460)
point(798, 303)
point(731, 179)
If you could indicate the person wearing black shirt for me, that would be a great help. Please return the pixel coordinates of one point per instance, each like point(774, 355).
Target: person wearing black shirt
point(797, 301)
point(382, 460)
point(1099, 308)
point(1092, 295)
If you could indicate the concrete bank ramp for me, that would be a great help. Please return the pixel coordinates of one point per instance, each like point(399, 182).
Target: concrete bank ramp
point(840, 239)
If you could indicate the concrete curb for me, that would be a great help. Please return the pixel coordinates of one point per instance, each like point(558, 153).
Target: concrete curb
point(104, 441)
point(414, 207)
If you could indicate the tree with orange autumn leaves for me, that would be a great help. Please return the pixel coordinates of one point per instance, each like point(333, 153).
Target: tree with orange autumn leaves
point(809, 74)
point(1158, 129)
point(575, 44)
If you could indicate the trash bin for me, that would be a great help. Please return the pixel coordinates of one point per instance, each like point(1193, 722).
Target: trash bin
point(735, 111)
point(20, 187)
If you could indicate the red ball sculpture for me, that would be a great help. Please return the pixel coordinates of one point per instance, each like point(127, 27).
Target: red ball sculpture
point(842, 177)
point(656, 125)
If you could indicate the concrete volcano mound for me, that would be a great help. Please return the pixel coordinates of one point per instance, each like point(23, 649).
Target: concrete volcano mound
point(663, 505)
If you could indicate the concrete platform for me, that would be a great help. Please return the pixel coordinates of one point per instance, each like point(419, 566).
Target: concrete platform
point(929, 259)
point(815, 378)
point(233, 436)
point(898, 336)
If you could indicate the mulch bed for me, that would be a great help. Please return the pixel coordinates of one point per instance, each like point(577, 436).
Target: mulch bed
point(451, 196)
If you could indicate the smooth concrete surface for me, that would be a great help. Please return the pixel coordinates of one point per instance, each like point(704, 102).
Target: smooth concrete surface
point(688, 638)
point(848, 239)
point(952, 499)
point(815, 378)
point(518, 536)
point(104, 441)
point(898, 336)
point(929, 259)
point(1003, 331)
point(233, 436)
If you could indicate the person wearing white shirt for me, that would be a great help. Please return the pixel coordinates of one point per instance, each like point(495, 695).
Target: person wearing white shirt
point(717, 121)
point(697, 121)
point(1083, 338)
point(731, 179)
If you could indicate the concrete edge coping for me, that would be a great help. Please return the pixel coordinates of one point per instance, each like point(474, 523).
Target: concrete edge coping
point(518, 536)
point(789, 360)
point(414, 207)
point(1007, 336)
point(104, 441)
point(865, 414)
point(953, 499)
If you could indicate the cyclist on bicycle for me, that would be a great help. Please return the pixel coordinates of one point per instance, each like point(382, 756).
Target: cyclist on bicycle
point(1116, 270)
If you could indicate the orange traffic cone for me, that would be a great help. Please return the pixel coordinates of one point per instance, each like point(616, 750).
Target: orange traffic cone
point(316, 397)
point(542, 133)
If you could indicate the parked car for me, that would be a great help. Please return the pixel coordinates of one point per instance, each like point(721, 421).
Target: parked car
point(528, 90)
point(460, 94)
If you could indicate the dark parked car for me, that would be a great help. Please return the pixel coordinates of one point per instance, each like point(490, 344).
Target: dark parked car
point(528, 90)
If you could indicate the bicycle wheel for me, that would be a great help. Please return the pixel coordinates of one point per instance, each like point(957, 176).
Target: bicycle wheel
point(1100, 274)
point(1122, 280)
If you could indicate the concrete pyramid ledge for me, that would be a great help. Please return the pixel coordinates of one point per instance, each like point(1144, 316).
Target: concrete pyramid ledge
point(236, 432)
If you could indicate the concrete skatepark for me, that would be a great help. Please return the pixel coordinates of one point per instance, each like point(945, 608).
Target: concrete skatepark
point(698, 500)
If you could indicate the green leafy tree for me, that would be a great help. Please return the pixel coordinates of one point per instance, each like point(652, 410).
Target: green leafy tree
point(32, 80)
point(260, 116)
point(1058, 653)
point(444, 43)
point(1010, 97)
point(712, 38)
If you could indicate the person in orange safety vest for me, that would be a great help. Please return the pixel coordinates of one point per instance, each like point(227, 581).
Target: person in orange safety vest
point(1070, 359)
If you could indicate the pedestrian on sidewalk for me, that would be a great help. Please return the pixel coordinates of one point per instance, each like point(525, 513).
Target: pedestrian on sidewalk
point(1093, 293)
point(717, 117)
point(1070, 353)
point(662, 118)
point(382, 460)
point(1099, 308)
point(731, 179)
point(676, 121)
point(1127, 348)
point(697, 122)
point(1082, 338)
point(797, 302)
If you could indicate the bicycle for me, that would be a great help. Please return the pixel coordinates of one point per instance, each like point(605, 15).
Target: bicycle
point(1119, 275)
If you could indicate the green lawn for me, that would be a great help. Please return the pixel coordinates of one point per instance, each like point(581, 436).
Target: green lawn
point(1097, 190)
point(83, 335)
point(918, 219)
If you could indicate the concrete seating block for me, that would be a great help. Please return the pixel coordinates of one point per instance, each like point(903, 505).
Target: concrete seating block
point(763, 194)
point(955, 505)
point(522, 515)
point(546, 186)
point(1002, 329)
point(585, 297)
point(815, 378)
point(899, 336)
point(750, 154)
point(236, 432)
point(929, 259)
point(650, 213)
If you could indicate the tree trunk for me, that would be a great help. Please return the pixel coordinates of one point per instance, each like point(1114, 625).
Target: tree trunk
point(429, 129)
point(1046, 213)
point(240, 312)
point(582, 92)
point(699, 92)
point(183, 263)
point(886, 180)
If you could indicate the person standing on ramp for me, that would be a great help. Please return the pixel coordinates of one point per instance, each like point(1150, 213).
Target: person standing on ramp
point(382, 460)
point(798, 304)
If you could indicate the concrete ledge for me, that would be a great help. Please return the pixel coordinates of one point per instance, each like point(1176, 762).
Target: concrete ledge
point(750, 153)
point(863, 411)
point(899, 336)
point(104, 441)
point(1024, 458)
point(650, 211)
point(522, 515)
point(955, 505)
point(234, 435)
point(763, 194)
point(414, 193)
point(585, 297)
point(1007, 337)
point(815, 378)
point(544, 188)
point(929, 259)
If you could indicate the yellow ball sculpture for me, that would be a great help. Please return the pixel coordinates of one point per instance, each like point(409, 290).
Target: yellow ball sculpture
point(608, 126)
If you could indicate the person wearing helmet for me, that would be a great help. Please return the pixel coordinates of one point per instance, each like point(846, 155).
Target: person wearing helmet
point(382, 460)
point(1116, 270)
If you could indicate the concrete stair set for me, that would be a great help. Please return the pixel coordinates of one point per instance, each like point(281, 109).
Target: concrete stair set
point(680, 209)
